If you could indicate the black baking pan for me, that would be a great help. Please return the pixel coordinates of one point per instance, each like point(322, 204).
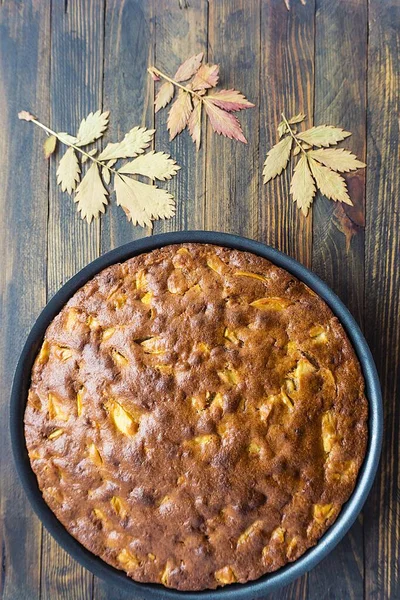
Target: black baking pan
point(268, 582)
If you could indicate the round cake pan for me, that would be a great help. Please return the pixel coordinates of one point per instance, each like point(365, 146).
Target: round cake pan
point(268, 582)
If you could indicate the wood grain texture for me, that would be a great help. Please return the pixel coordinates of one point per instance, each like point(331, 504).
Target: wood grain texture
point(128, 93)
point(287, 85)
point(76, 89)
point(181, 31)
point(382, 291)
point(336, 61)
point(340, 99)
point(233, 188)
point(24, 76)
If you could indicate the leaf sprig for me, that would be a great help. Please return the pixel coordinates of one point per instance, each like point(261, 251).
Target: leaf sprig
point(141, 202)
point(316, 168)
point(186, 111)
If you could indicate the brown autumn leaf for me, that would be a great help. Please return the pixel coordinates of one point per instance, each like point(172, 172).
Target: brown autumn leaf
point(223, 122)
point(164, 96)
point(229, 100)
point(194, 124)
point(179, 114)
point(206, 77)
point(189, 68)
point(187, 108)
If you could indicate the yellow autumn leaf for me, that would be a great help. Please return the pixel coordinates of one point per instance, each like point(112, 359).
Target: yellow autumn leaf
point(164, 95)
point(337, 159)
point(91, 195)
point(302, 186)
point(179, 114)
point(135, 142)
point(154, 165)
point(66, 138)
point(277, 158)
point(92, 152)
point(282, 127)
point(92, 127)
point(68, 171)
point(323, 135)
point(49, 145)
point(331, 184)
point(141, 202)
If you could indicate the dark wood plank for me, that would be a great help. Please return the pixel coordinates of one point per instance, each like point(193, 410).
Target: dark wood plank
point(181, 31)
point(76, 89)
point(24, 75)
point(287, 85)
point(338, 230)
point(128, 94)
point(382, 291)
point(232, 168)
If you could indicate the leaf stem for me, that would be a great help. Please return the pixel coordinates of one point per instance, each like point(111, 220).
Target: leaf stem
point(183, 87)
point(292, 134)
point(71, 145)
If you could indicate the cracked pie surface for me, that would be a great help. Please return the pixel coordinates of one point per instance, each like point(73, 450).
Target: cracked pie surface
point(196, 417)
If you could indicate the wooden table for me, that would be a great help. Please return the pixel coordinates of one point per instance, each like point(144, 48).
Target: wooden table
point(338, 61)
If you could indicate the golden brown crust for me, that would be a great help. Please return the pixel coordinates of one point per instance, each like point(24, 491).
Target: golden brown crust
point(196, 416)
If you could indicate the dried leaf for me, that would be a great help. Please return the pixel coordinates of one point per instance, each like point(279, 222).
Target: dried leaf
point(229, 100)
point(135, 142)
point(277, 158)
point(302, 186)
point(154, 76)
point(92, 152)
point(206, 77)
point(164, 96)
point(179, 114)
point(223, 122)
point(296, 150)
point(331, 184)
point(282, 129)
point(106, 175)
point(297, 119)
point(68, 171)
point(155, 165)
point(337, 159)
point(195, 123)
point(91, 195)
point(49, 145)
point(92, 128)
point(323, 135)
point(189, 68)
point(24, 115)
point(66, 138)
point(142, 202)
